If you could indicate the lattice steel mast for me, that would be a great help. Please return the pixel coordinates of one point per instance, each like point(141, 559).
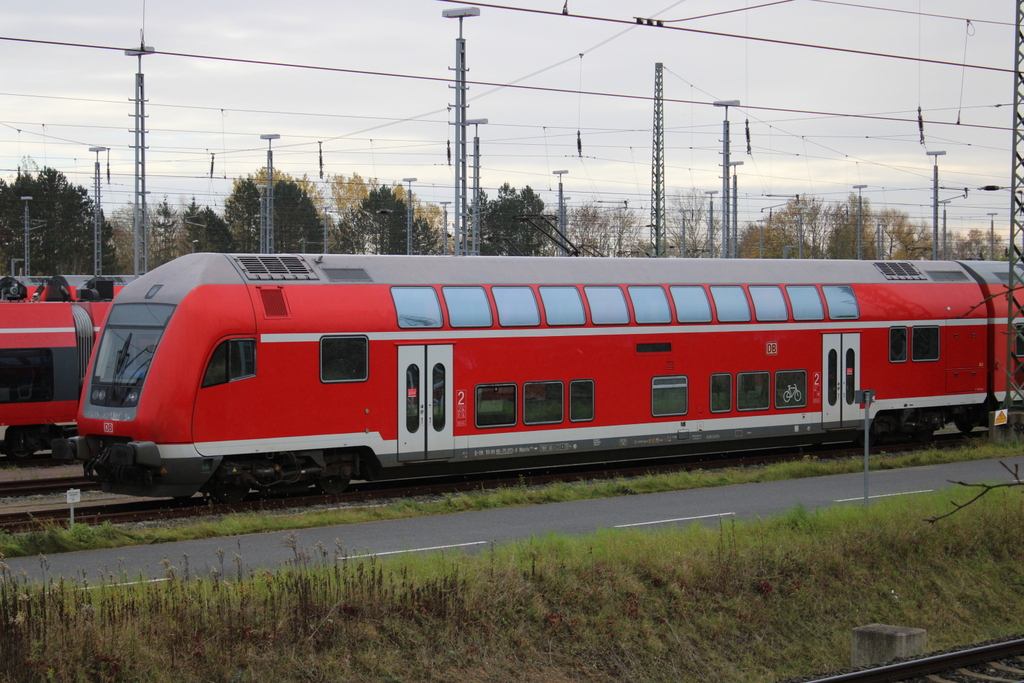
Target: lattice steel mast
point(658, 162)
point(1015, 294)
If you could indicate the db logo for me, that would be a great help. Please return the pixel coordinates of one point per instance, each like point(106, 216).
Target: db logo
point(108, 427)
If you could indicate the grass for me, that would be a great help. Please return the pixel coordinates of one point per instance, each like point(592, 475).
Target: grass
point(742, 602)
point(54, 538)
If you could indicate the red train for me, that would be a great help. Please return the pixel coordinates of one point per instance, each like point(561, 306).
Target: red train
point(46, 338)
point(224, 373)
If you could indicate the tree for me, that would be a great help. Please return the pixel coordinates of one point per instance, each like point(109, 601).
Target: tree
point(61, 240)
point(501, 232)
point(206, 229)
point(297, 224)
point(382, 221)
point(242, 213)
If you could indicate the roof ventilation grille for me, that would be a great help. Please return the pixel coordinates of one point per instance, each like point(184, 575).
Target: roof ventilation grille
point(899, 270)
point(274, 267)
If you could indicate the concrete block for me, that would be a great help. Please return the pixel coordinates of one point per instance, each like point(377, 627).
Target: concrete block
point(877, 644)
point(1011, 429)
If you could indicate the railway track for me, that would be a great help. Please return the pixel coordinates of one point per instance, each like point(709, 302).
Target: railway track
point(1002, 662)
point(367, 492)
point(42, 487)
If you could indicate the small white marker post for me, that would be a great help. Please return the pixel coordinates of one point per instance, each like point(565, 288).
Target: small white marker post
point(866, 397)
point(74, 496)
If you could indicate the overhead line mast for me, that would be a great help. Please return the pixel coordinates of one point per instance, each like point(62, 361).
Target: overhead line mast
point(1015, 282)
point(658, 162)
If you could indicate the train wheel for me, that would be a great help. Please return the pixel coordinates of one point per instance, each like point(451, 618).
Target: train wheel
point(18, 444)
point(332, 486)
point(230, 494)
point(964, 424)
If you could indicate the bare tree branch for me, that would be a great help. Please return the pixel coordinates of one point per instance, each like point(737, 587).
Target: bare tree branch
point(984, 489)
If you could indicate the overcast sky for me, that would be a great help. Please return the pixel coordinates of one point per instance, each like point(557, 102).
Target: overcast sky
point(820, 120)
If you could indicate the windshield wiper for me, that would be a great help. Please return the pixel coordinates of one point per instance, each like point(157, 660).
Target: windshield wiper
point(121, 360)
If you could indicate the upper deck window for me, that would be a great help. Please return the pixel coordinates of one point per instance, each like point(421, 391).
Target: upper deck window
point(416, 307)
point(769, 304)
point(650, 305)
point(607, 305)
point(806, 302)
point(563, 306)
point(232, 359)
point(842, 302)
point(730, 303)
point(517, 306)
point(692, 305)
point(467, 306)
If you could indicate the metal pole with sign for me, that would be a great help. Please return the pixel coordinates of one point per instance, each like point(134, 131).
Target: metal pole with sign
point(866, 397)
point(74, 496)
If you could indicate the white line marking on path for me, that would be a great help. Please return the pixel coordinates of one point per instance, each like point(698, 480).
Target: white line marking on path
point(882, 495)
point(678, 519)
point(414, 550)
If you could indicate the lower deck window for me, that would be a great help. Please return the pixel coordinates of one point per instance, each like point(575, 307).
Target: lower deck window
point(581, 400)
point(791, 389)
point(925, 343)
point(752, 390)
point(669, 395)
point(542, 403)
point(721, 393)
point(343, 359)
point(496, 405)
point(26, 375)
point(897, 345)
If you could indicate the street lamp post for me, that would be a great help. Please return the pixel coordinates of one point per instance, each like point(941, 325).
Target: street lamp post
point(935, 202)
point(97, 223)
point(711, 222)
point(799, 230)
point(267, 224)
point(944, 202)
point(726, 251)
point(734, 239)
point(28, 269)
point(408, 216)
point(992, 236)
point(860, 221)
point(476, 182)
point(444, 228)
point(460, 13)
point(561, 214)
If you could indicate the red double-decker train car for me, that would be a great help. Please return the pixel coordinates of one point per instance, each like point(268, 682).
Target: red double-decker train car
point(226, 373)
point(46, 338)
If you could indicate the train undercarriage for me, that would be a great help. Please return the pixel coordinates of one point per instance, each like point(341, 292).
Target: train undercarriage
point(289, 472)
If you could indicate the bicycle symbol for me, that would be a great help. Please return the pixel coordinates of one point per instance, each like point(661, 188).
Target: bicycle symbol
point(792, 394)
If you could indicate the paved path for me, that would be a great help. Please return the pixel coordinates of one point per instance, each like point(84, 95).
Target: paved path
point(470, 531)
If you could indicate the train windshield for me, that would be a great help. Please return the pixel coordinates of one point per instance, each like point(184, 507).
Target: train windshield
point(129, 341)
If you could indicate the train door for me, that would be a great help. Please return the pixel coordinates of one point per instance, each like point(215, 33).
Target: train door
point(840, 367)
point(425, 402)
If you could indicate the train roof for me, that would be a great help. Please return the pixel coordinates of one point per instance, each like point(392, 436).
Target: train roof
point(172, 281)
